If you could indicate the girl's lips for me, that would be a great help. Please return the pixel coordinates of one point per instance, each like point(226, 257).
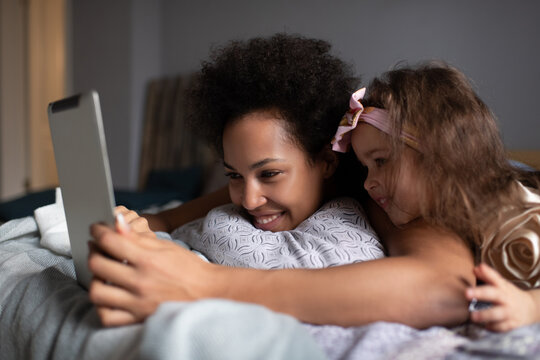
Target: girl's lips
point(383, 202)
point(266, 222)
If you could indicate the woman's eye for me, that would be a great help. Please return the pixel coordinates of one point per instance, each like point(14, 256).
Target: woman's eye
point(232, 175)
point(270, 174)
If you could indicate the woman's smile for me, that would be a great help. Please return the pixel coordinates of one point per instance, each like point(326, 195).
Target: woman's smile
point(267, 222)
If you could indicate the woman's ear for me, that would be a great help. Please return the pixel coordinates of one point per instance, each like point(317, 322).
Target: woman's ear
point(329, 161)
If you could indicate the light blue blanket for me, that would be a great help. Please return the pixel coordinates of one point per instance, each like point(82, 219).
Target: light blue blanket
point(44, 314)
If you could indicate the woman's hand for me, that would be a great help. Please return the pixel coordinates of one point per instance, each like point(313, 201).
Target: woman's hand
point(134, 273)
point(135, 222)
point(512, 307)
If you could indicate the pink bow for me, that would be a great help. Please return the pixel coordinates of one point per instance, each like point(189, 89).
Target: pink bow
point(371, 115)
point(342, 139)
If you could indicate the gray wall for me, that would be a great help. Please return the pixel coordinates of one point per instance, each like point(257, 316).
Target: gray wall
point(116, 50)
point(495, 44)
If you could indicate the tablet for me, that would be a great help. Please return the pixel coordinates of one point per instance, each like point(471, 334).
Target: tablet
point(83, 172)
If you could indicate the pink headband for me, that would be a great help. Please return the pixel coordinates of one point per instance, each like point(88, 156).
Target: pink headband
point(370, 115)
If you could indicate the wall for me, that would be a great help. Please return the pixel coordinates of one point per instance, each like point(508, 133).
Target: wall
point(116, 50)
point(102, 61)
point(146, 52)
point(494, 44)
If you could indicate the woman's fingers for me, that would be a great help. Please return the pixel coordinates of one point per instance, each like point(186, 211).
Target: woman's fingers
point(118, 246)
point(127, 213)
point(130, 292)
point(121, 225)
point(110, 301)
point(109, 295)
point(133, 220)
point(140, 225)
point(120, 210)
point(116, 272)
point(115, 317)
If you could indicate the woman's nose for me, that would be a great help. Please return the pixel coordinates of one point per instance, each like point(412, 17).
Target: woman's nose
point(252, 196)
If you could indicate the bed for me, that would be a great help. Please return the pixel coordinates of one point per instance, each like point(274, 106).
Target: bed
point(45, 314)
point(527, 157)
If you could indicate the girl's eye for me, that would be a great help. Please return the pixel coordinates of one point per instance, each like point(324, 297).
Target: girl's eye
point(380, 161)
point(270, 173)
point(233, 175)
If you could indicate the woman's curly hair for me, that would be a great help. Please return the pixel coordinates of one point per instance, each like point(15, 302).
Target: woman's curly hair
point(295, 76)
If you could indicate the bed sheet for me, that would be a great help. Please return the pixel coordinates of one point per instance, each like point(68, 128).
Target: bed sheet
point(44, 314)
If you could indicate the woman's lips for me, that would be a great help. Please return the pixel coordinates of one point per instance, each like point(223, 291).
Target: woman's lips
point(266, 219)
point(266, 222)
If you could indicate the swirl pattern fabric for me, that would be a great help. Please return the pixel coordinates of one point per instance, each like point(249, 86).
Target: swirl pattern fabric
point(337, 234)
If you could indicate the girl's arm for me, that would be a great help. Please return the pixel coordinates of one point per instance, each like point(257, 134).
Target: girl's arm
point(171, 219)
point(422, 285)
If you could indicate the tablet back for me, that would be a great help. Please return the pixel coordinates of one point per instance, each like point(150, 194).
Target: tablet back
point(83, 171)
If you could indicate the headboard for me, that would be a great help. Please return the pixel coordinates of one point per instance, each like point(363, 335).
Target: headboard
point(529, 157)
point(168, 142)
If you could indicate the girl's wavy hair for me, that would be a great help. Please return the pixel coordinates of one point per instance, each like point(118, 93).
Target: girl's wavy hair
point(462, 159)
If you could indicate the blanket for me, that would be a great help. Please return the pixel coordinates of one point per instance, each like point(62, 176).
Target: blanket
point(45, 314)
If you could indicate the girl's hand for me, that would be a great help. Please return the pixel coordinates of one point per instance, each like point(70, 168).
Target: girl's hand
point(512, 307)
point(135, 222)
point(134, 273)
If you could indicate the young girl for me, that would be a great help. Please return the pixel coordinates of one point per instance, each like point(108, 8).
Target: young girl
point(433, 152)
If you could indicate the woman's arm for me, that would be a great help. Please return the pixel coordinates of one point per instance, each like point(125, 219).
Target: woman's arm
point(423, 285)
point(171, 219)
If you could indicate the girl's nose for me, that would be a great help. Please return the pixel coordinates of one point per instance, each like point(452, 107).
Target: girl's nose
point(371, 182)
point(252, 196)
